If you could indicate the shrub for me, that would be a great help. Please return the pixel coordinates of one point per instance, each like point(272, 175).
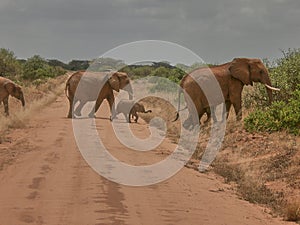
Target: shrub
point(279, 116)
point(283, 114)
point(162, 84)
point(38, 68)
point(172, 78)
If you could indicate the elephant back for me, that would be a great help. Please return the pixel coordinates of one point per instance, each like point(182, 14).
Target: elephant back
point(209, 86)
point(90, 85)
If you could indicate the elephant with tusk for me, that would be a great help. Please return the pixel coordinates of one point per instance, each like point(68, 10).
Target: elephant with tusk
point(130, 109)
point(7, 88)
point(231, 77)
point(85, 86)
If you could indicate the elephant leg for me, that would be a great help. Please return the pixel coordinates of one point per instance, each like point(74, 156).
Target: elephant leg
point(5, 103)
point(224, 113)
point(133, 117)
point(235, 98)
point(96, 107)
point(191, 121)
point(213, 113)
point(208, 114)
point(227, 105)
point(127, 117)
point(111, 99)
point(238, 110)
point(77, 111)
point(70, 114)
point(136, 117)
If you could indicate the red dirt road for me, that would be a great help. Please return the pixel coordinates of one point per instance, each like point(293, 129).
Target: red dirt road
point(46, 181)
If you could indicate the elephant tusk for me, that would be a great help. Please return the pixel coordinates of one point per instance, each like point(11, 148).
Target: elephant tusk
point(272, 88)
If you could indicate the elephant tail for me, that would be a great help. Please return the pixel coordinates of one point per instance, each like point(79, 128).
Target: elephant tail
point(67, 89)
point(178, 109)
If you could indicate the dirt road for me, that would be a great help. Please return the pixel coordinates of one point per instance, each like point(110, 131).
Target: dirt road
point(46, 181)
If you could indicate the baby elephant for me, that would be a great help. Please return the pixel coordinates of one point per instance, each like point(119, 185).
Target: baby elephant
point(9, 88)
point(130, 109)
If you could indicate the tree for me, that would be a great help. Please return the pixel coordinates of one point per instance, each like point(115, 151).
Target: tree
point(9, 65)
point(38, 68)
point(78, 64)
point(57, 63)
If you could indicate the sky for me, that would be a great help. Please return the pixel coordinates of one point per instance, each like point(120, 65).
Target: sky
point(215, 30)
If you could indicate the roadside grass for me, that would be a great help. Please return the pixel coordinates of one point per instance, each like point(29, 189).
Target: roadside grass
point(264, 167)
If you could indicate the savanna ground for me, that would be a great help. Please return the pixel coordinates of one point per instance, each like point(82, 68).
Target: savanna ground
point(261, 168)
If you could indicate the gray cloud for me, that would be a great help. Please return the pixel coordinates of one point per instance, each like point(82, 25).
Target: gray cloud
point(216, 30)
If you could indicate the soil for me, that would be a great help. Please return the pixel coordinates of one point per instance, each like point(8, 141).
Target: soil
point(45, 180)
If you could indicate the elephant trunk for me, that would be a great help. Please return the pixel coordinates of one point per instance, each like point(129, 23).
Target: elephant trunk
point(128, 88)
point(23, 101)
point(269, 89)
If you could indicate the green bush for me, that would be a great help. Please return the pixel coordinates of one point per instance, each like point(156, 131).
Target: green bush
point(279, 116)
point(38, 68)
point(162, 84)
point(170, 74)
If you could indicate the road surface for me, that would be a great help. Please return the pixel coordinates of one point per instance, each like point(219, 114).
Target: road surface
point(45, 180)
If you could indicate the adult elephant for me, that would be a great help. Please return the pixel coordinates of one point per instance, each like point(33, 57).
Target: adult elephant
point(231, 77)
point(83, 86)
point(7, 88)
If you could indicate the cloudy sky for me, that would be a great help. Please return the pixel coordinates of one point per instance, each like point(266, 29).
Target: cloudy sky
point(216, 30)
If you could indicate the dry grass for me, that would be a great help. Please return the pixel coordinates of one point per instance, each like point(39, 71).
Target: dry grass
point(265, 167)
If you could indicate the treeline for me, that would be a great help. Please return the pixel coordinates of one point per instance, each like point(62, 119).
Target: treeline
point(38, 68)
point(73, 65)
point(33, 69)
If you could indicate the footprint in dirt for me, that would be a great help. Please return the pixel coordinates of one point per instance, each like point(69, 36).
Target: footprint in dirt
point(52, 157)
point(25, 217)
point(36, 182)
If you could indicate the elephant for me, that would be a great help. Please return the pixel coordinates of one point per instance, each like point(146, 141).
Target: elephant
point(7, 87)
point(130, 109)
point(85, 86)
point(231, 77)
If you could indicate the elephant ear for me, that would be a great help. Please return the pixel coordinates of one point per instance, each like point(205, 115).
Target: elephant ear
point(240, 69)
point(10, 87)
point(114, 82)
